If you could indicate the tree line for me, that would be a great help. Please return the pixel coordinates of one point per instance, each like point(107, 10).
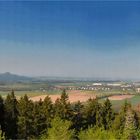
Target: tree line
point(62, 120)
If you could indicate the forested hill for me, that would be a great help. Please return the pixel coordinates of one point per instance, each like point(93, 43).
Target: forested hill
point(8, 77)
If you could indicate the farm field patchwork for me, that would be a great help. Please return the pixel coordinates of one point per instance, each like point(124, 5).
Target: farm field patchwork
point(73, 97)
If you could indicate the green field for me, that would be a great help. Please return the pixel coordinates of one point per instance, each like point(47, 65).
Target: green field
point(118, 103)
point(21, 93)
point(30, 93)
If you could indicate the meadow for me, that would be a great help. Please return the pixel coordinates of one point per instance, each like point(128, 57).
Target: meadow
point(135, 100)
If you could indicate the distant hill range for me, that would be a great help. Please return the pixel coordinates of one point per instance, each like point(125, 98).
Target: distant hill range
point(8, 77)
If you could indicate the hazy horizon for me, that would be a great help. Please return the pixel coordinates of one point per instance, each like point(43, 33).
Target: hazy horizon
point(70, 39)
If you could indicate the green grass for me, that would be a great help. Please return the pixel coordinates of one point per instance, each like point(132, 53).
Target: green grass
point(21, 93)
point(118, 103)
point(134, 100)
point(30, 93)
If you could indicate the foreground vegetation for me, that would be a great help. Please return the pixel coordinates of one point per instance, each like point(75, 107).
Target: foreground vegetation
point(24, 119)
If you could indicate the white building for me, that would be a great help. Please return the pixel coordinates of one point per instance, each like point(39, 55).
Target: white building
point(114, 84)
point(97, 84)
point(138, 89)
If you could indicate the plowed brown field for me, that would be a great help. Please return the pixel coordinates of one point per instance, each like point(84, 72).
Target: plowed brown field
point(73, 97)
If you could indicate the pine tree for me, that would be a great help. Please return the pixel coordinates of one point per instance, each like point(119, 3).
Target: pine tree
point(131, 125)
point(125, 107)
point(11, 114)
point(108, 114)
point(99, 116)
point(47, 112)
point(90, 111)
point(64, 97)
point(1, 113)
point(39, 119)
point(2, 135)
point(25, 118)
point(60, 130)
point(77, 117)
point(119, 122)
point(63, 107)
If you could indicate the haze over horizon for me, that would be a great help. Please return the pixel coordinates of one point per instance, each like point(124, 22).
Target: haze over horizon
point(70, 39)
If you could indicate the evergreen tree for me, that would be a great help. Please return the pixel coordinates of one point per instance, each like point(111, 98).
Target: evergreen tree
point(125, 107)
point(11, 114)
point(25, 118)
point(90, 111)
point(47, 112)
point(131, 125)
point(64, 97)
point(60, 130)
point(77, 117)
point(39, 119)
point(119, 121)
point(1, 113)
point(99, 115)
point(63, 106)
point(108, 114)
point(2, 136)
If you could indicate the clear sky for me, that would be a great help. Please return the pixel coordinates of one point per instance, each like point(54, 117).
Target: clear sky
point(74, 39)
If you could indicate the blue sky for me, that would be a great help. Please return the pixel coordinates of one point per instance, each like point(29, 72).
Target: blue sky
point(74, 39)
